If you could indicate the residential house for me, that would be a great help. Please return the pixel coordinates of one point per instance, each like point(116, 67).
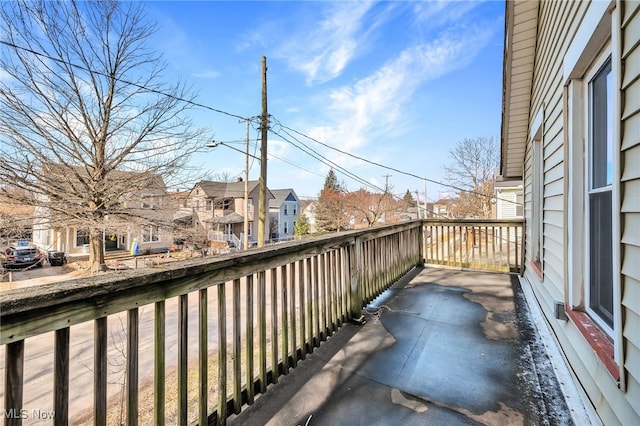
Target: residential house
point(445, 208)
point(217, 208)
point(145, 217)
point(571, 131)
point(284, 210)
point(508, 198)
point(308, 208)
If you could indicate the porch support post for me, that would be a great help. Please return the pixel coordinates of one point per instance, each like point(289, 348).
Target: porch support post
point(355, 262)
point(422, 244)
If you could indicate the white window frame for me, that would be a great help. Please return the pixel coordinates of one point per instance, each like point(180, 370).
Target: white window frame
point(150, 201)
point(148, 234)
point(537, 194)
point(597, 39)
point(601, 60)
point(83, 231)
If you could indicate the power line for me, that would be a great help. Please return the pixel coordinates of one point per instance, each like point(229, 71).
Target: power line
point(308, 151)
point(324, 160)
point(139, 86)
point(391, 168)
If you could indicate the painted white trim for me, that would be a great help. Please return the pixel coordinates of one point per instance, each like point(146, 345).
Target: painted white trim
point(537, 189)
point(575, 208)
point(593, 33)
point(616, 194)
point(536, 125)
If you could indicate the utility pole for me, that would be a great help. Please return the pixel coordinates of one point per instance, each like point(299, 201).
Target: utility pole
point(264, 125)
point(245, 239)
point(386, 185)
point(426, 216)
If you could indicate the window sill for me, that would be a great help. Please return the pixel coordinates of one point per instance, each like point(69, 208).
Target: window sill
point(597, 339)
point(537, 268)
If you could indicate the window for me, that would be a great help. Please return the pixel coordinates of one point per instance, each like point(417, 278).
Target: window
point(598, 195)
point(295, 209)
point(209, 204)
point(82, 237)
point(519, 205)
point(286, 228)
point(150, 201)
point(593, 199)
point(286, 210)
point(537, 198)
point(224, 204)
point(150, 233)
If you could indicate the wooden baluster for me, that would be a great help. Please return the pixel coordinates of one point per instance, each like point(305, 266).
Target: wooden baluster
point(61, 378)
point(159, 363)
point(132, 367)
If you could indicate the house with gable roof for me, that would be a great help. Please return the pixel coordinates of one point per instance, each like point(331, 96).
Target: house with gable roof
point(144, 216)
point(284, 210)
point(217, 208)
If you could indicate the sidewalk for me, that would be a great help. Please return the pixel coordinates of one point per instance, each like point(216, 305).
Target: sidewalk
point(443, 347)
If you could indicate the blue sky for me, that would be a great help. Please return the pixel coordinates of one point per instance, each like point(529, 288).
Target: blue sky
point(398, 83)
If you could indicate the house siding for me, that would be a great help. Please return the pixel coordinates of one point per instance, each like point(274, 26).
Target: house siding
point(630, 189)
point(614, 403)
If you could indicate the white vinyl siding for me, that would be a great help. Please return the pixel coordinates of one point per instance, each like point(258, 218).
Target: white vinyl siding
point(561, 27)
point(630, 189)
point(506, 204)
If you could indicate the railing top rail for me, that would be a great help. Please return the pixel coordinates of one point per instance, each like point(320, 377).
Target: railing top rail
point(473, 221)
point(35, 310)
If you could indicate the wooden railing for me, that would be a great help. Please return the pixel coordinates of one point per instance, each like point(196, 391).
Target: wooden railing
point(192, 341)
point(487, 245)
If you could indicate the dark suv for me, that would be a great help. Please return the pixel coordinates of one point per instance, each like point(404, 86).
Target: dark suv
point(21, 257)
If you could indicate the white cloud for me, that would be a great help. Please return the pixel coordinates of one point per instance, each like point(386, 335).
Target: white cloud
point(328, 46)
point(372, 106)
point(209, 74)
point(278, 148)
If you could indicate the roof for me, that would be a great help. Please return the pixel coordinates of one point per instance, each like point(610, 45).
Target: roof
point(521, 23)
point(228, 189)
point(507, 183)
point(230, 218)
point(282, 195)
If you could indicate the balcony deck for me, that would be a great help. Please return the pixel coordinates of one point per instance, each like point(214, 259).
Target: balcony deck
point(440, 347)
point(268, 336)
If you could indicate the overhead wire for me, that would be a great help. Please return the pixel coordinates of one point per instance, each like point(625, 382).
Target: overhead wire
point(139, 86)
point(448, 185)
point(288, 130)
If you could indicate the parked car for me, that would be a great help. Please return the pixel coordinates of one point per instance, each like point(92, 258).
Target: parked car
point(56, 258)
point(21, 257)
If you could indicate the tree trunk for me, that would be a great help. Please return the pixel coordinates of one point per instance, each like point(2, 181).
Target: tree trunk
point(96, 250)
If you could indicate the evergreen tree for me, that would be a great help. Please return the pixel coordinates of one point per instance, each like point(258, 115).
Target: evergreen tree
point(330, 208)
point(408, 199)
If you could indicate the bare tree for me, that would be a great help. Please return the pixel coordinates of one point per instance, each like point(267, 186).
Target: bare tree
point(369, 207)
point(85, 119)
point(473, 167)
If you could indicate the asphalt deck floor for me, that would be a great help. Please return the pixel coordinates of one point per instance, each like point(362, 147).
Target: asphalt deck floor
point(440, 347)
